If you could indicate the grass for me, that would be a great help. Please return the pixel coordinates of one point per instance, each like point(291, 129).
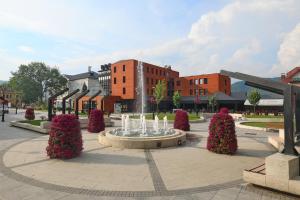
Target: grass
point(33, 122)
point(170, 116)
point(276, 125)
point(263, 116)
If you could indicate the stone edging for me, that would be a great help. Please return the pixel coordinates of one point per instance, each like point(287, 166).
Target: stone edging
point(73, 190)
point(240, 125)
point(29, 127)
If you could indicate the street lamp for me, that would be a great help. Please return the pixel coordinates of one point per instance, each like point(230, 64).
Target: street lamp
point(152, 101)
point(197, 102)
point(3, 108)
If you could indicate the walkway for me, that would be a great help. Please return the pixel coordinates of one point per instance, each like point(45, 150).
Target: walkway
point(188, 172)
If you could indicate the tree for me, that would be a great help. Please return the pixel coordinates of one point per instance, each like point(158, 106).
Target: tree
point(159, 92)
point(176, 99)
point(253, 98)
point(35, 80)
point(212, 101)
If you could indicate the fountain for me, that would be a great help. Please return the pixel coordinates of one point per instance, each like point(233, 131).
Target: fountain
point(134, 133)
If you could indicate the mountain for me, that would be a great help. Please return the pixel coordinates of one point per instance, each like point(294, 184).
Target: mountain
point(1, 81)
point(240, 86)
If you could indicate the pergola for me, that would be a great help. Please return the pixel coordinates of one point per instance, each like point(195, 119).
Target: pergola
point(291, 105)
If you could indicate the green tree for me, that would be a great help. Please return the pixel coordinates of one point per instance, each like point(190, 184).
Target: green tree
point(176, 99)
point(35, 80)
point(212, 101)
point(253, 98)
point(159, 92)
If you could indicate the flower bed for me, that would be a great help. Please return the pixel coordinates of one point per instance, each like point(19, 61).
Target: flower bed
point(96, 121)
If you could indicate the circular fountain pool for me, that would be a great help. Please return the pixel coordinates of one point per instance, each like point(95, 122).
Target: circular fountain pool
point(135, 139)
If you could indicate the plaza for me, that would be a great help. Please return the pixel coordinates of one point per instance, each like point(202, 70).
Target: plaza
point(186, 172)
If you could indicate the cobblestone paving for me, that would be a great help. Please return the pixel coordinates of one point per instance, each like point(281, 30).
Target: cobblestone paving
point(16, 186)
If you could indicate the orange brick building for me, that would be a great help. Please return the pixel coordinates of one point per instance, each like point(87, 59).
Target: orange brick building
point(202, 85)
point(124, 83)
point(119, 81)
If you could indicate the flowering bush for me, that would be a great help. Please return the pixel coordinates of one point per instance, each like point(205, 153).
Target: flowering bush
point(29, 114)
point(222, 137)
point(65, 140)
point(96, 121)
point(182, 120)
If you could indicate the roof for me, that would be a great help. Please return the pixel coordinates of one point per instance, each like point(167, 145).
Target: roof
point(267, 102)
point(92, 75)
point(220, 96)
point(290, 74)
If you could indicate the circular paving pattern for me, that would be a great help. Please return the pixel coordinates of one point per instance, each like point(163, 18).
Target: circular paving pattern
point(105, 171)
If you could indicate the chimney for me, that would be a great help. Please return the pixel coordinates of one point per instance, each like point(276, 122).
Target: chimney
point(282, 77)
point(90, 69)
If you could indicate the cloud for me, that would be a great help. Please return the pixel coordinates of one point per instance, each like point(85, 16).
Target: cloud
point(26, 49)
point(246, 36)
point(289, 51)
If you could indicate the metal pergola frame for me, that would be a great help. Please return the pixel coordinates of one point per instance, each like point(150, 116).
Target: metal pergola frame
point(291, 105)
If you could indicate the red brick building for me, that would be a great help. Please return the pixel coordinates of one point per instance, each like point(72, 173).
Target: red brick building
point(124, 83)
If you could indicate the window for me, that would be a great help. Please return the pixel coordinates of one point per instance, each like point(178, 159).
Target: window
point(205, 92)
point(156, 81)
point(160, 72)
point(191, 92)
point(196, 92)
point(147, 91)
point(147, 80)
point(164, 73)
point(201, 92)
point(205, 81)
point(115, 80)
point(124, 79)
point(152, 70)
point(152, 81)
point(115, 69)
point(225, 91)
point(191, 82)
point(147, 69)
point(152, 92)
point(124, 90)
point(225, 83)
point(196, 81)
point(124, 68)
point(178, 83)
point(201, 81)
point(156, 71)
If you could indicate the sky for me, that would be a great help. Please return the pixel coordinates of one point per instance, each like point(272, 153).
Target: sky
point(193, 36)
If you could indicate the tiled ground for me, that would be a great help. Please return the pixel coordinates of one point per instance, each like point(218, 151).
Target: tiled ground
point(188, 172)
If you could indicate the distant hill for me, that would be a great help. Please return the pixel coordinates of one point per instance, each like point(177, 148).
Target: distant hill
point(2, 82)
point(241, 87)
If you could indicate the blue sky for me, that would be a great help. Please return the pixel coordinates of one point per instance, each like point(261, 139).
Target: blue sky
point(194, 36)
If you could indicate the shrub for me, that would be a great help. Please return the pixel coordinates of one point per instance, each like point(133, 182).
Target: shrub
point(182, 120)
point(96, 121)
point(65, 140)
point(222, 137)
point(29, 114)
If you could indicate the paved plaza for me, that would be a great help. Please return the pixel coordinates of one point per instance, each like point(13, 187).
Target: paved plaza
point(101, 172)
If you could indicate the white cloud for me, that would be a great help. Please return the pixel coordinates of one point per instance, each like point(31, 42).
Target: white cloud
point(289, 52)
point(26, 49)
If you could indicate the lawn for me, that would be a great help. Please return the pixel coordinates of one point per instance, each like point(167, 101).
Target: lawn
point(33, 122)
point(276, 125)
point(170, 116)
point(263, 116)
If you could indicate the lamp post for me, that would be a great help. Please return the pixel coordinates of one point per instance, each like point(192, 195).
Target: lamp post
point(152, 101)
point(197, 102)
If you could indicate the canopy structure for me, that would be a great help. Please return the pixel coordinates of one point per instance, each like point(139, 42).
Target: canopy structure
point(291, 105)
point(266, 102)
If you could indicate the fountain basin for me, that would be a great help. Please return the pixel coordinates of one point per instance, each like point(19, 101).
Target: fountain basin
point(177, 138)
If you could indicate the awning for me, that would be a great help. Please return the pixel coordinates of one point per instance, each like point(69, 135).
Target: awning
point(267, 102)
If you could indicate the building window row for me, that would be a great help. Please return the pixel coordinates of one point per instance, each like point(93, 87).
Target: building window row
point(155, 71)
point(200, 92)
point(199, 81)
point(115, 68)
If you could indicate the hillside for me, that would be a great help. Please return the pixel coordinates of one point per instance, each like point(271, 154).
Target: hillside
point(1, 81)
point(241, 87)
